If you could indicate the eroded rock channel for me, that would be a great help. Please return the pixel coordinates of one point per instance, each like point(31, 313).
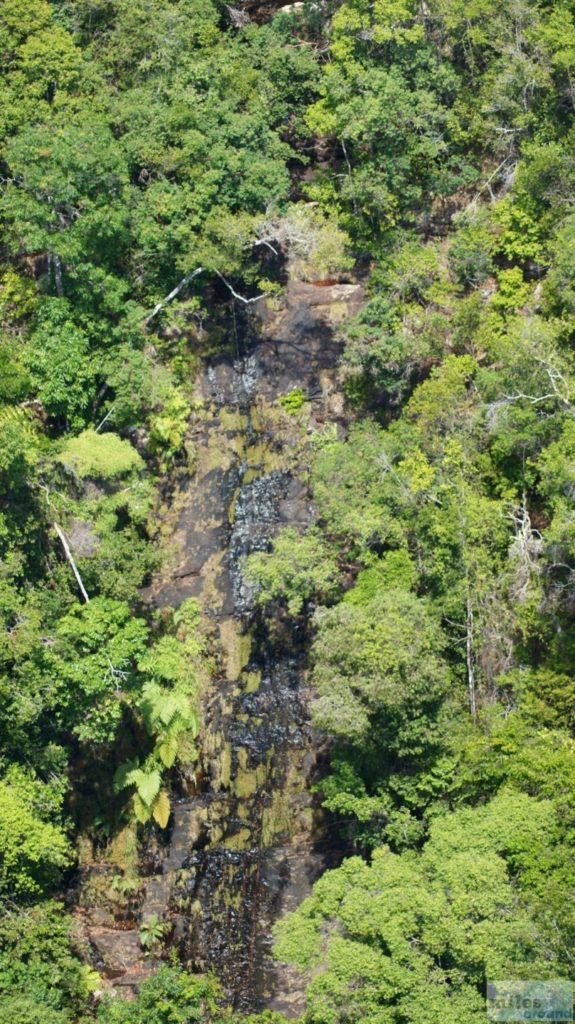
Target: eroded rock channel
point(249, 842)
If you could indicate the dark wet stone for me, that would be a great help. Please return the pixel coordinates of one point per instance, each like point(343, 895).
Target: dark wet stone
point(250, 844)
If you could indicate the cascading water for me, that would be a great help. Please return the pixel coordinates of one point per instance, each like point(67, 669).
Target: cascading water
point(248, 845)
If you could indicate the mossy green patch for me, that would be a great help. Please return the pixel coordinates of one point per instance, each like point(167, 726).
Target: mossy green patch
point(233, 420)
point(245, 783)
point(253, 681)
point(277, 819)
point(100, 455)
point(226, 765)
point(248, 780)
point(239, 840)
point(236, 648)
point(250, 475)
point(261, 456)
point(123, 849)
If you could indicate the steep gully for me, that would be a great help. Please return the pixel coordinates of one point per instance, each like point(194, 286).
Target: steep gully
point(249, 839)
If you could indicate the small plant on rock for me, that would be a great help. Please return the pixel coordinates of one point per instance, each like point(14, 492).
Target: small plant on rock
point(152, 932)
point(293, 401)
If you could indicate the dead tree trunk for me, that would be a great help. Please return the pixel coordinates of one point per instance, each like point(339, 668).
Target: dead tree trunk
point(469, 636)
point(70, 558)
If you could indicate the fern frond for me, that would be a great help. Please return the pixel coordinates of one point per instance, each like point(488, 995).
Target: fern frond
point(161, 809)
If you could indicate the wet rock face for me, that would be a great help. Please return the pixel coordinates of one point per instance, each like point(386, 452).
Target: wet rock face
point(250, 843)
point(256, 516)
point(250, 451)
point(266, 839)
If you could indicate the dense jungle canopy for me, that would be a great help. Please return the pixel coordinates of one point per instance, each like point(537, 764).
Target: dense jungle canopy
point(165, 167)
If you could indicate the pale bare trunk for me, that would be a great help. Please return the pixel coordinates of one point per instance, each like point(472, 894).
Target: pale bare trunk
point(469, 656)
point(70, 558)
point(57, 264)
point(173, 294)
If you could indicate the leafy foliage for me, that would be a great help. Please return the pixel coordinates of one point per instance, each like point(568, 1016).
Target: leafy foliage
point(40, 977)
point(158, 160)
point(300, 568)
point(33, 849)
point(419, 936)
point(374, 659)
point(169, 997)
point(100, 455)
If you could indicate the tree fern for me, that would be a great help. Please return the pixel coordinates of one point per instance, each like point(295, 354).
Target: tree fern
point(149, 800)
point(22, 415)
point(161, 809)
point(167, 714)
point(167, 750)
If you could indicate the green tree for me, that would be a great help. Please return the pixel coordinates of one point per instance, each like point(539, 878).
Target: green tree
point(40, 976)
point(384, 656)
point(414, 938)
point(94, 661)
point(33, 849)
point(299, 568)
point(170, 996)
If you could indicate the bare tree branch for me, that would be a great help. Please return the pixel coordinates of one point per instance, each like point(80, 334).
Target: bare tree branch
point(266, 242)
point(240, 298)
point(173, 294)
point(524, 551)
point(350, 173)
point(68, 554)
point(194, 273)
point(66, 546)
point(534, 399)
point(106, 417)
point(560, 388)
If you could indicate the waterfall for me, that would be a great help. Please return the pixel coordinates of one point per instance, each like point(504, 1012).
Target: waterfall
point(248, 843)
